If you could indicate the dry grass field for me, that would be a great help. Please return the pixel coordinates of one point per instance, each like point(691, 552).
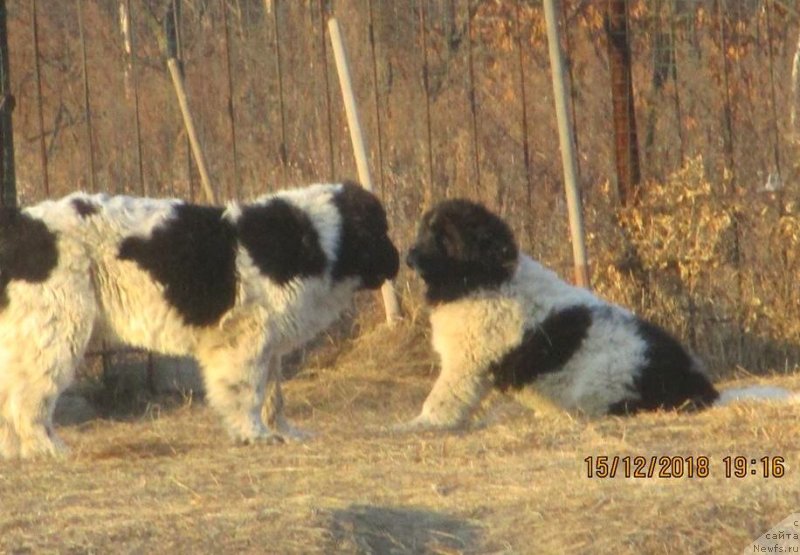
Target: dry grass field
point(167, 480)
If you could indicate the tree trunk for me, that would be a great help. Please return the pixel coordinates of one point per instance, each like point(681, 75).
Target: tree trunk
point(626, 147)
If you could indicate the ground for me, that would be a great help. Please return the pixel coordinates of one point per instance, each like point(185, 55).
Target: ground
point(167, 479)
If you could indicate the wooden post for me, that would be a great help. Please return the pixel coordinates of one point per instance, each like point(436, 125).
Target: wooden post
point(180, 91)
point(390, 303)
point(567, 145)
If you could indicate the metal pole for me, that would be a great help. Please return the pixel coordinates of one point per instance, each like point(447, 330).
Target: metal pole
point(8, 196)
point(143, 190)
point(423, 37)
point(172, 28)
point(526, 157)
point(567, 145)
point(268, 6)
point(473, 102)
point(40, 113)
point(727, 136)
point(231, 112)
point(86, 105)
point(328, 109)
point(377, 95)
point(390, 303)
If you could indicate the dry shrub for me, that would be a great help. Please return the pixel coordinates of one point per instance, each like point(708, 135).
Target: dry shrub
point(714, 268)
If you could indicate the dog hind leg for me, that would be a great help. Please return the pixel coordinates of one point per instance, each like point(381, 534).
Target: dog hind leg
point(44, 333)
point(26, 409)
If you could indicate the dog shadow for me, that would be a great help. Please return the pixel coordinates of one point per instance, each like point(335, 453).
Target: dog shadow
point(390, 530)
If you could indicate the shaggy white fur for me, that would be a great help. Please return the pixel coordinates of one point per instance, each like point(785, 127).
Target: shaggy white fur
point(181, 280)
point(472, 333)
point(500, 319)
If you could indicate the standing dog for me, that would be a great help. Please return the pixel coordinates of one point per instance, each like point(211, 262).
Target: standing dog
point(234, 287)
point(501, 319)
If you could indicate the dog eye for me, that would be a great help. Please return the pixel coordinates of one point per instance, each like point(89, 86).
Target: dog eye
point(441, 242)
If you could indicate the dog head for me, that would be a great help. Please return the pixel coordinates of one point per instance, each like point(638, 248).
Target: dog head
point(365, 250)
point(461, 247)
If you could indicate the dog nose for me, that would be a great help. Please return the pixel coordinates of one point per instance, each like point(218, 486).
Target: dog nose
point(411, 258)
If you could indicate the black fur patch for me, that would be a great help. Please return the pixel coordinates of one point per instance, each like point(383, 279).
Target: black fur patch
point(544, 349)
point(365, 249)
point(461, 247)
point(194, 256)
point(281, 240)
point(28, 250)
point(83, 207)
point(670, 378)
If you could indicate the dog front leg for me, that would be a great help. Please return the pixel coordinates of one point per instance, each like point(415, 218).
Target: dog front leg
point(274, 405)
point(235, 388)
point(454, 398)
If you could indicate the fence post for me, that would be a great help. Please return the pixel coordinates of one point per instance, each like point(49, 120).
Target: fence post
point(273, 8)
point(231, 108)
point(38, 78)
point(626, 143)
point(378, 125)
point(567, 144)
point(180, 92)
point(8, 195)
point(390, 303)
point(430, 195)
point(473, 103)
point(328, 111)
point(86, 104)
point(174, 45)
point(526, 157)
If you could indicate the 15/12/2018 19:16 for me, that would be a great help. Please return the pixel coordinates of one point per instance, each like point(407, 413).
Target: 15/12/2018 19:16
point(664, 466)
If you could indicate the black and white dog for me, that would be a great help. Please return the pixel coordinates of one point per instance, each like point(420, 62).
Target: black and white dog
point(234, 287)
point(501, 319)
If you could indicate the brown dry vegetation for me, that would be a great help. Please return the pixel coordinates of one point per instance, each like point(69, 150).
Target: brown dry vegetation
point(167, 480)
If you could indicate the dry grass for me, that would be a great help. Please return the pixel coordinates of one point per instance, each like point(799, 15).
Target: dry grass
point(168, 481)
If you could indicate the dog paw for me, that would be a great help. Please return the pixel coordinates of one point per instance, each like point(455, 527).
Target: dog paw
point(295, 434)
point(420, 424)
point(269, 438)
point(40, 447)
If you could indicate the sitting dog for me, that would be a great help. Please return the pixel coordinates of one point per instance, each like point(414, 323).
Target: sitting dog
point(501, 319)
point(234, 287)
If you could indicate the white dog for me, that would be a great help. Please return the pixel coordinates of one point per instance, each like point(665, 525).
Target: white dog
point(501, 319)
point(235, 288)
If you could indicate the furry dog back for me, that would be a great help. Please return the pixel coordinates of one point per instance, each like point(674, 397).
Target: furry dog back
point(234, 287)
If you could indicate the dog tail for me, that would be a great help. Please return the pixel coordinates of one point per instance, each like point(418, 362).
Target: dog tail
point(757, 393)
